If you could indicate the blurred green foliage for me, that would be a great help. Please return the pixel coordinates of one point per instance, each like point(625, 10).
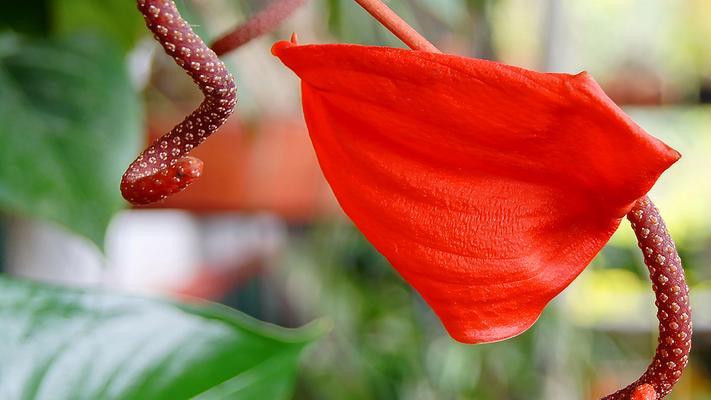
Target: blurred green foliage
point(70, 126)
point(71, 118)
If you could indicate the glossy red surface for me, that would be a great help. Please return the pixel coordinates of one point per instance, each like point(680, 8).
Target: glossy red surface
point(488, 187)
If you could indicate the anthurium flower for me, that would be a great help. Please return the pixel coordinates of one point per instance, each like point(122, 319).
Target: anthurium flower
point(488, 187)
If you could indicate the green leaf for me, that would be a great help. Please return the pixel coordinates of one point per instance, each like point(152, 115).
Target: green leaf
point(71, 123)
point(115, 19)
point(60, 343)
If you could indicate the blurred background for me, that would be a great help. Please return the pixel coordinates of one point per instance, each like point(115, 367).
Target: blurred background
point(261, 231)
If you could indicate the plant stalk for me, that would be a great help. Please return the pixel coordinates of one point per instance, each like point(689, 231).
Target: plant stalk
point(397, 25)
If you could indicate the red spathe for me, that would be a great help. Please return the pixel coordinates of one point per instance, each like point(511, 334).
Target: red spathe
point(488, 187)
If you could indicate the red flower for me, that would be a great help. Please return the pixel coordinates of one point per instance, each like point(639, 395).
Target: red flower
point(488, 187)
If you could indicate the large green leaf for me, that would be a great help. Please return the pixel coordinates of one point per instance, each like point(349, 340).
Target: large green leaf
point(70, 123)
point(71, 344)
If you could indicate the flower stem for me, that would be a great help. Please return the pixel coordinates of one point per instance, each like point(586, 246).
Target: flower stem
point(672, 300)
point(263, 22)
point(397, 25)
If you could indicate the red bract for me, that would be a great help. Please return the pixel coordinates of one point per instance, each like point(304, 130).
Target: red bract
point(488, 187)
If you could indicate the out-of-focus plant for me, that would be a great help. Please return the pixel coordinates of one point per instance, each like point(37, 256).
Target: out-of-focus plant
point(71, 118)
point(71, 121)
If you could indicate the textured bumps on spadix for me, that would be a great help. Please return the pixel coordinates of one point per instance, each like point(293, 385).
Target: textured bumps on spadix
point(164, 167)
point(672, 301)
point(488, 187)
